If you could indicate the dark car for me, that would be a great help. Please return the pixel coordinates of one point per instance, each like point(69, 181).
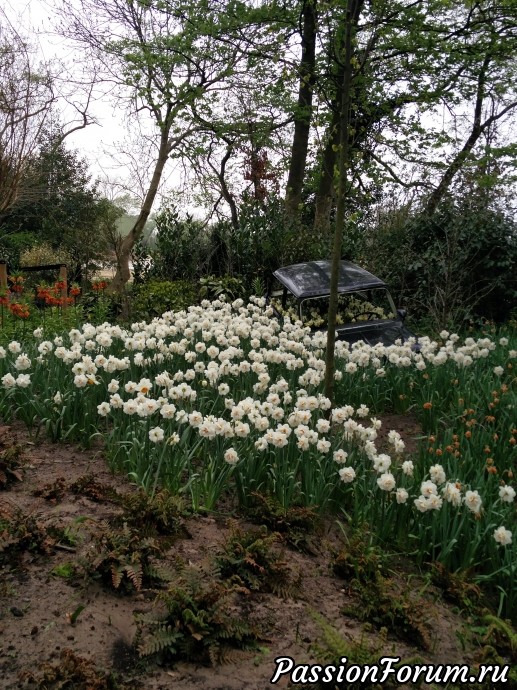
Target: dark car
point(366, 310)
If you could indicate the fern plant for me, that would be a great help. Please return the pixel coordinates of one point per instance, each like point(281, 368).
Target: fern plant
point(161, 511)
point(201, 622)
point(384, 602)
point(10, 465)
point(20, 532)
point(249, 558)
point(125, 560)
point(331, 646)
point(295, 524)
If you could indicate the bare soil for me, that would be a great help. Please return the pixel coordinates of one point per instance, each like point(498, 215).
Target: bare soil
point(36, 605)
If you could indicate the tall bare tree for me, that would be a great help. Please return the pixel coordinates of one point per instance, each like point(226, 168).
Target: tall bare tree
point(161, 57)
point(26, 99)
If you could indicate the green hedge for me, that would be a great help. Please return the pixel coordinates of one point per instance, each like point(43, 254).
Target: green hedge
point(157, 296)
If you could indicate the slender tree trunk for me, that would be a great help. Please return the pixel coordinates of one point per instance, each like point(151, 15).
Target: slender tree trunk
point(123, 273)
point(224, 188)
point(478, 127)
point(302, 122)
point(325, 192)
point(353, 12)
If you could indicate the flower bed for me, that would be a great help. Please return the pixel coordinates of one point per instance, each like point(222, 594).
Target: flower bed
point(223, 399)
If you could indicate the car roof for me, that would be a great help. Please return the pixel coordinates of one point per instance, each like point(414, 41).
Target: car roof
point(312, 279)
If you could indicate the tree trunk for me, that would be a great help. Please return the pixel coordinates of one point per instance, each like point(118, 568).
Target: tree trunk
point(325, 192)
point(123, 273)
point(353, 11)
point(478, 127)
point(302, 121)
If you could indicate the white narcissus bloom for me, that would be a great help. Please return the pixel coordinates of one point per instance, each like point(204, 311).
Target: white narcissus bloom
point(421, 504)
point(45, 347)
point(156, 434)
point(80, 381)
point(386, 481)
point(503, 342)
point(323, 426)
point(362, 411)
point(381, 462)
point(506, 494)
point(242, 429)
point(261, 444)
point(323, 445)
point(130, 407)
point(113, 386)
point(3, 353)
point(231, 456)
point(503, 536)
point(223, 389)
point(173, 440)
point(401, 495)
point(347, 474)
point(452, 494)
point(437, 474)
point(104, 409)
point(168, 410)
point(38, 332)
point(428, 488)
point(144, 386)
point(434, 502)
point(473, 501)
point(58, 398)
point(195, 418)
point(14, 347)
point(116, 401)
point(23, 380)
point(22, 362)
point(303, 443)
point(498, 371)
point(340, 456)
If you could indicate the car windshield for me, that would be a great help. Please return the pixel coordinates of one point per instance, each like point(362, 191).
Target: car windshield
point(353, 307)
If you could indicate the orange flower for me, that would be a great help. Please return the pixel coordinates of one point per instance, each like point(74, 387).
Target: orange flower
point(427, 405)
point(512, 441)
point(439, 451)
point(486, 449)
point(468, 434)
point(490, 419)
point(432, 439)
point(492, 469)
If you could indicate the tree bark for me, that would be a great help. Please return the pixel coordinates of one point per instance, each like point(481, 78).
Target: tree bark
point(303, 117)
point(123, 273)
point(325, 192)
point(353, 12)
